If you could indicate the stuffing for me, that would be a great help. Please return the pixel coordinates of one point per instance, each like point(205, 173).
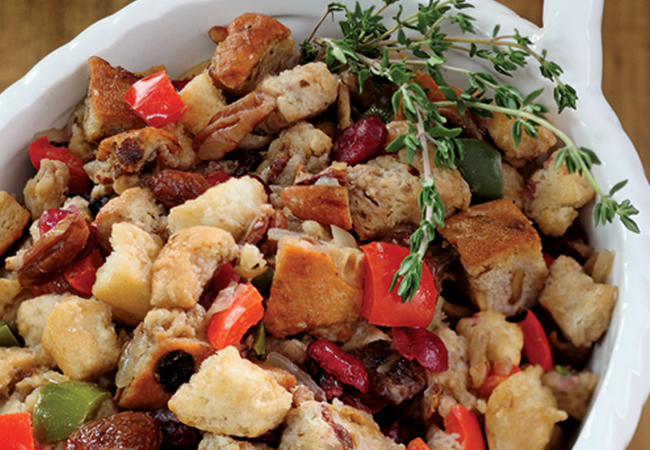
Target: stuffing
point(136, 206)
point(167, 347)
point(491, 339)
point(187, 262)
point(521, 413)
point(9, 290)
point(77, 143)
point(213, 441)
point(13, 220)
point(18, 362)
point(383, 194)
point(439, 440)
point(327, 205)
point(581, 308)
point(255, 46)
point(314, 285)
point(300, 145)
point(230, 206)
point(80, 336)
point(81, 204)
point(106, 112)
point(501, 254)
point(316, 425)
point(500, 129)
point(203, 101)
point(48, 188)
point(25, 391)
point(554, 195)
point(230, 395)
point(124, 280)
point(513, 185)
point(301, 93)
point(32, 317)
point(572, 390)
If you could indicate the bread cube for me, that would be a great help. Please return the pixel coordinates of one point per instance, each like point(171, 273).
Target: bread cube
point(13, 220)
point(500, 129)
point(581, 308)
point(32, 317)
point(501, 254)
point(203, 101)
point(17, 362)
point(48, 188)
point(572, 390)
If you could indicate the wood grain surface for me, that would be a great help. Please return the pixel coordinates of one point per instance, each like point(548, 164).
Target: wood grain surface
point(30, 29)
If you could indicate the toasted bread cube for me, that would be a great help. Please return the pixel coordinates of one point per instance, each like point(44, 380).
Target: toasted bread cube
point(500, 129)
point(314, 285)
point(316, 425)
point(32, 316)
point(572, 390)
point(256, 45)
point(80, 336)
point(501, 254)
point(232, 396)
point(187, 262)
point(513, 185)
point(48, 188)
point(124, 280)
point(13, 220)
point(107, 113)
point(521, 413)
point(203, 101)
point(17, 362)
point(327, 205)
point(554, 196)
point(581, 308)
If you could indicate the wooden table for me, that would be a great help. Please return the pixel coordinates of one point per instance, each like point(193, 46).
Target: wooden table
point(29, 30)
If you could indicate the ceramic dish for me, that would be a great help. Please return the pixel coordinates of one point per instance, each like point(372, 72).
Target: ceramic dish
point(174, 33)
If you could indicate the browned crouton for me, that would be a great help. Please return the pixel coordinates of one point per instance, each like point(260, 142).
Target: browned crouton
point(500, 129)
point(256, 45)
point(328, 205)
point(501, 254)
point(13, 220)
point(203, 101)
point(315, 285)
point(48, 188)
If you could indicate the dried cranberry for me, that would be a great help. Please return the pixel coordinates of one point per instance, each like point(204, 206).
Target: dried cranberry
point(176, 435)
point(423, 345)
point(360, 142)
point(401, 430)
point(330, 384)
point(349, 369)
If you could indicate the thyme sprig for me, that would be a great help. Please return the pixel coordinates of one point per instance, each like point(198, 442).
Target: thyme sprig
point(372, 50)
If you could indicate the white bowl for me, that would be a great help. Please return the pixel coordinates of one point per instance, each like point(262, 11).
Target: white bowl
point(174, 33)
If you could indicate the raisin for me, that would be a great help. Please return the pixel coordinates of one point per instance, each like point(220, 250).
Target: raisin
point(173, 187)
point(95, 204)
point(360, 142)
point(176, 435)
point(124, 431)
point(174, 369)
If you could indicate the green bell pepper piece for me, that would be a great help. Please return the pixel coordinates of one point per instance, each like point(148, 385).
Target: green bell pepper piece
point(263, 282)
point(7, 336)
point(259, 340)
point(62, 407)
point(481, 168)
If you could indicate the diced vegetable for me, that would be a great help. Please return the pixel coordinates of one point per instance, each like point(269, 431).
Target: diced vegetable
point(218, 178)
point(16, 432)
point(462, 421)
point(349, 369)
point(495, 377)
point(481, 168)
point(50, 218)
point(418, 444)
point(62, 407)
point(7, 336)
point(155, 100)
point(81, 275)
point(41, 149)
point(224, 277)
point(384, 307)
point(423, 345)
point(229, 326)
point(259, 340)
point(537, 348)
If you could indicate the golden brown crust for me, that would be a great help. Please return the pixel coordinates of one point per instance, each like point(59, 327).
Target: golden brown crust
point(13, 220)
point(328, 205)
point(256, 45)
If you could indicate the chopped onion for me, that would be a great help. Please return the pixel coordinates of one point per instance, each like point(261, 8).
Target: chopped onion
point(342, 238)
point(282, 362)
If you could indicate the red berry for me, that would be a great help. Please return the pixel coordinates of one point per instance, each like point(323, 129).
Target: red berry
point(360, 142)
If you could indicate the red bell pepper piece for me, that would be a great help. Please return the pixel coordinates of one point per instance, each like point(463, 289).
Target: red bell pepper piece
point(228, 327)
point(418, 444)
point(51, 217)
point(423, 345)
point(384, 307)
point(349, 369)
point(463, 422)
point(41, 149)
point(548, 259)
point(218, 178)
point(16, 432)
point(155, 100)
point(495, 377)
point(81, 275)
point(537, 349)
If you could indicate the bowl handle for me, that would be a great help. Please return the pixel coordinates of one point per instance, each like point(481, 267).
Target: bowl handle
point(574, 28)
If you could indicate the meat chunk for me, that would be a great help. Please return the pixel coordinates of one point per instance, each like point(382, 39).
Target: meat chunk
point(80, 336)
point(230, 395)
point(500, 129)
point(203, 101)
point(13, 220)
point(314, 285)
point(526, 422)
point(501, 254)
point(255, 46)
point(48, 188)
point(301, 93)
point(554, 196)
point(124, 280)
point(187, 262)
point(581, 308)
point(166, 349)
